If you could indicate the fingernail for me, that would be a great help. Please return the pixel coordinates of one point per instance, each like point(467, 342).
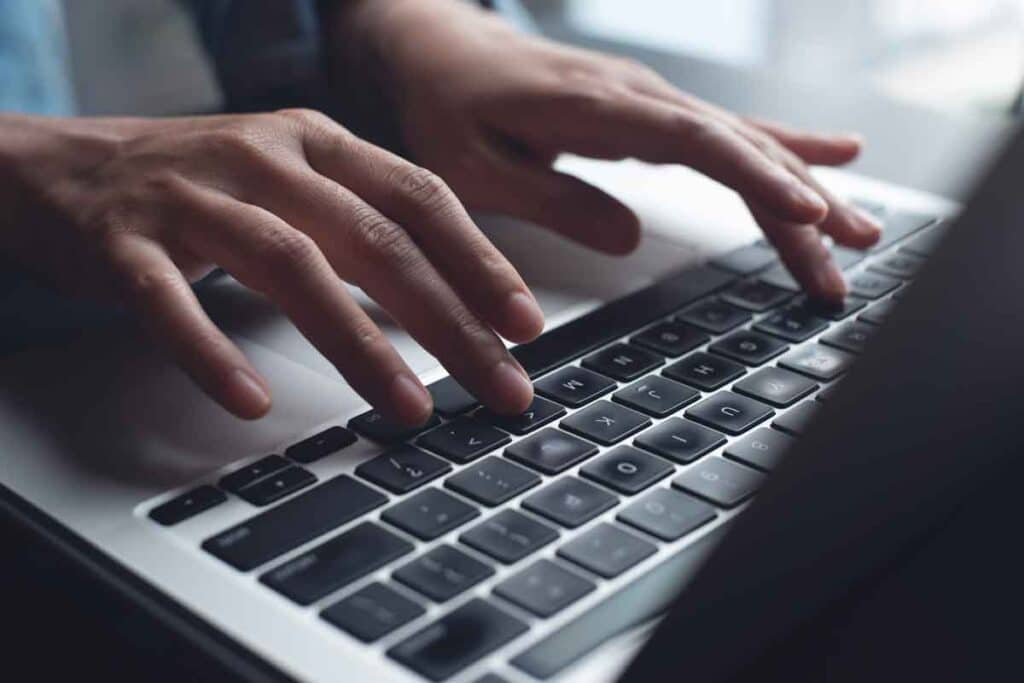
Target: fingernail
point(248, 394)
point(511, 389)
point(523, 317)
point(868, 220)
point(410, 400)
point(810, 198)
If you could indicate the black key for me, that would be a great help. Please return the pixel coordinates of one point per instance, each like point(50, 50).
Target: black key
point(626, 470)
point(570, 501)
point(794, 323)
point(429, 514)
point(714, 316)
point(289, 525)
point(729, 412)
point(762, 448)
point(456, 640)
point(900, 224)
point(544, 588)
point(704, 371)
point(605, 423)
point(877, 314)
point(187, 505)
point(720, 481)
point(817, 361)
point(540, 413)
point(463, 439)
point(607, 550)
point(509, 536)
point(492, 481)
point(775, 386)
point(623, 362)
point(240, 478)
point(831, 311)
point(926, 243)
point(852, 336)
point(490, 678)
point(443, 573)
point(756, 296)
point(680, 440)
point(450, 399)
point(372, 612)
point(748, 347)
point(402, 469)
point(277, 486)
point(671, 338)
point(667, 514)
point(746, 260)
point(321, 445)
point(899, 265)
point(827, 393)
point(636, 603)
point(656, 396)
point(780, 277)
point(797, 420)
point(375, 426)
point(550, 451)
point(574, 386)
point(338, 562)
point(869, 285)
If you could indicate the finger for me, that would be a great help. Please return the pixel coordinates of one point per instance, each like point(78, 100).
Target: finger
point(813, 148)
point(804, 254)
point(431, 214)
point(267, 254)
point(155, 289)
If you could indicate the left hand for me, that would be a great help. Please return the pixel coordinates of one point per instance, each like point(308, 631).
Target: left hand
point(489, 109)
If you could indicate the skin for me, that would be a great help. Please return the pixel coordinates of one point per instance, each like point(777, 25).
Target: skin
point(294, 205)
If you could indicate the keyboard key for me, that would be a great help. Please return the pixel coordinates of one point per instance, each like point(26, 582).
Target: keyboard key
point(458, 639)
point(820, 362)
point(775, 386)
point(187, 505)
point(827, 393)
point(746, 260)
point(570, 501)
point(926, 243)
point(277, 486)
point(626, 470)
point(748, 347)
point(463, 439)
point(443, 573)
point(797, 420)
point(253, 472)
point(667, 514)
point(607, 550)
point(294, 522)
point(321, 445)
point(877, 314)
point(794, 323)
point(714, 316)
point(762, 448)
point(704, 371)
point(671, 339)
point(729, 412)
point(720, 481)
point(852, 336)
point(869, 285)
point(540, 413)
point(899, 265)
point(402, 469)
point(492, 481)
point(679, 440)
point(373, 425)
point(756, 296)
point(623, 362)
point(779, 276)
point(429, 514)
point(336, 563)
point(574, 386)
point(551, 451)
point(900, 224)
point(509, 536)
point(830, 311)
point(450, 399)
point(656, 396)
point(606, 423)
point(544, 588)
point(372, 612)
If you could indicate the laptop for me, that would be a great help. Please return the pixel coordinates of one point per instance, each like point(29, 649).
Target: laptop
point(676, 431)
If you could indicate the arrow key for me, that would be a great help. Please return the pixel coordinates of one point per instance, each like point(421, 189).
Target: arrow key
point(463, 439)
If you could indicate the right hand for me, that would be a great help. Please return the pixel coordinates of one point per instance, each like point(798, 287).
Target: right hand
point(290, 204)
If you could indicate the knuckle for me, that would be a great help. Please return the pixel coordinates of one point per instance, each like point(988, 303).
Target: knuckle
point(421, 188)
point(382, 239)
point(287, 253)
point(308, 118)
point(148, 283)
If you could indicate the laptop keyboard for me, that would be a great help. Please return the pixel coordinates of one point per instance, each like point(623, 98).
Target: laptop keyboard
point(655, 416)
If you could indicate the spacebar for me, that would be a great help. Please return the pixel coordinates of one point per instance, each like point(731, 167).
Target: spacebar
point(637, 603)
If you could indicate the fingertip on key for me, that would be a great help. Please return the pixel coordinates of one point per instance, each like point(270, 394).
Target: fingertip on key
point(410, 401)
point(523, 319)
point(510, 390)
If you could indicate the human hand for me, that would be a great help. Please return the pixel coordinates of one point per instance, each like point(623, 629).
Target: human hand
point(290, 204)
